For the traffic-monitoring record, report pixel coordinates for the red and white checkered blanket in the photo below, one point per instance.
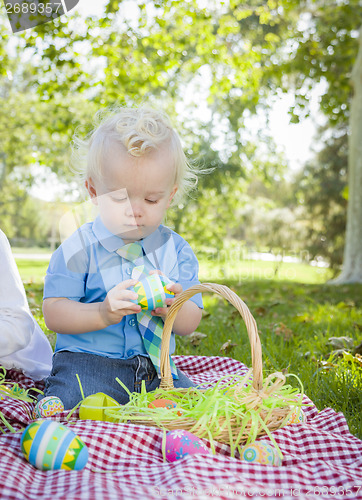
(321, 458)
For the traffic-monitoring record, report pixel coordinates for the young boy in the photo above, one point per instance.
(134, 167)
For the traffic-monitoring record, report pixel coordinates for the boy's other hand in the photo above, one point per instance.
(118, 303)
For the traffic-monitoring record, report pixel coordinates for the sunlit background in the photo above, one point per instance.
(251, 88)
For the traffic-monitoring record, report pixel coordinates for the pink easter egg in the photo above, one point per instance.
(180, 443)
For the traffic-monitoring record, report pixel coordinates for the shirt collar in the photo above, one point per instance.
(108, 240)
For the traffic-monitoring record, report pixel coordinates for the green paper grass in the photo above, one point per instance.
(80, 402)
(13, 390)
(6, 423)
(233, 413)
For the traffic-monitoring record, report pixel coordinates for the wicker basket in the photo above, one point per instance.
(257, 419)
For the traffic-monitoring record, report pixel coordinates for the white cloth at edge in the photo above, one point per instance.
(23, 345)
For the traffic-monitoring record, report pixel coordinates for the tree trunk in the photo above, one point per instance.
(352, 259)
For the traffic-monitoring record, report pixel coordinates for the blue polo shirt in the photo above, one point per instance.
(86, 266)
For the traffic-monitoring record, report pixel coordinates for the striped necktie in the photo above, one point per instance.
(150, 327)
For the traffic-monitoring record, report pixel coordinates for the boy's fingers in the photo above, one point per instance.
(126, 306)
(160, 311)
(126, 284)
(132, 311)
(174, 287)
(156, 271)
(128, 294)
(123, 295)
(121, 291)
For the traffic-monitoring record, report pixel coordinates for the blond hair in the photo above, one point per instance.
(140, 131)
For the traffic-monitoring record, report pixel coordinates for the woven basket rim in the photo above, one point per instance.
(250, 323)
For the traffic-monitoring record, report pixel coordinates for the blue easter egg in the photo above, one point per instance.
(48, 445)
(152, 292)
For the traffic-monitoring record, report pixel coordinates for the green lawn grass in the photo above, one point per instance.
(247, 270)
(30, 250)
(297, 315)
(32, 270)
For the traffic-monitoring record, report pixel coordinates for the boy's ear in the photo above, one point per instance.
(90, 187)
(173, 192)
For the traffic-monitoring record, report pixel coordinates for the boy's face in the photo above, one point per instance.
(133, 193)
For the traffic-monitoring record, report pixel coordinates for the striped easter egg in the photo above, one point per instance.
(152, 292)
(48, 445)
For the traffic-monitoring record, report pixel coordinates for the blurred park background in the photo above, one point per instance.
(230, 73)
(261, 91)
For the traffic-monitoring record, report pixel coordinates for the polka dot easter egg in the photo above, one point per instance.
(47, 407)
(260, 452)
(48, 445)
(180, 443)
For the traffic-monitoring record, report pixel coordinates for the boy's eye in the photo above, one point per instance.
(152, 201)
(118, 200)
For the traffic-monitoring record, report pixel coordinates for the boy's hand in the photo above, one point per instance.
(117, 303)
(176, 288)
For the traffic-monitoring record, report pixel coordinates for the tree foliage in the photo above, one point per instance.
(234, 56)
(323, 49)
(321, 189)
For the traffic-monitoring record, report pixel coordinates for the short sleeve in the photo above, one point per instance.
(187, 270)
(66, 278)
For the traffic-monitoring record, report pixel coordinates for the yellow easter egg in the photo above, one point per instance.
(296, 416)
(93, 406)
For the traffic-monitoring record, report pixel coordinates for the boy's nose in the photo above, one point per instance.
(133, 210)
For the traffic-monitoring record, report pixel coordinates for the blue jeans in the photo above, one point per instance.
(98, 374)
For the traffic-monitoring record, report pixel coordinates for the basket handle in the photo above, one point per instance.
(230, 296)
